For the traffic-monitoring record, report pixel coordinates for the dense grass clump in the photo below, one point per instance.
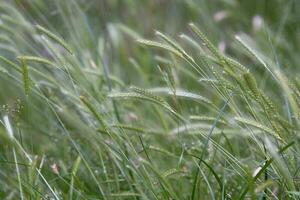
(159, 99)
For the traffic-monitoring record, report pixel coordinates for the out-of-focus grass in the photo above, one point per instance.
(130, 100)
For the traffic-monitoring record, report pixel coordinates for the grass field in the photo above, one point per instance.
(157, 99)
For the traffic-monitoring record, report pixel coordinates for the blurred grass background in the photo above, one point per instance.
(52, 126)
(221, 19)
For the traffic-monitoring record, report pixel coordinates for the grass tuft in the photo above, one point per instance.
(104, 100)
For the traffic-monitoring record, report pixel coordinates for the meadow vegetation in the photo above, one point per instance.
(162, 99)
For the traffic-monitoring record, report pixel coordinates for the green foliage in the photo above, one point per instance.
(90, 109)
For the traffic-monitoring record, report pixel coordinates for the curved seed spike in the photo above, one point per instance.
(170, 172)
(54, 38)
(35, 59)
(175, 45)
(206, 118)
(145, 95)
(251, 84)
(94, 112)
(25, 74)
(221, 58)
(181, 93)
(236, 64)
(206, 41)
(257, 125)
(161, 46)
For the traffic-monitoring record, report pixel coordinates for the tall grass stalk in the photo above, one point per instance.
(105, 100)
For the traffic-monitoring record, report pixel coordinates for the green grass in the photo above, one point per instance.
(132, 99)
